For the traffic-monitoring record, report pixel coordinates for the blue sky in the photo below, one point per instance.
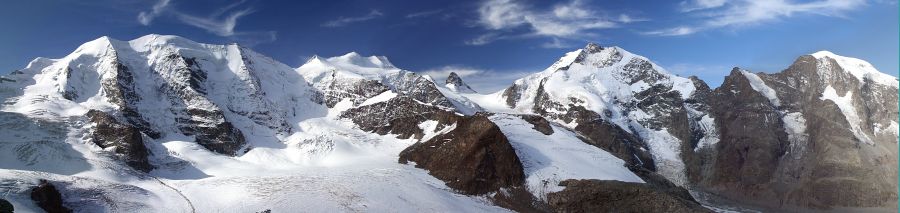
(491, 42)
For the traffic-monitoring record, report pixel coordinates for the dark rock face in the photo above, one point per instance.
(48, 198)
(751, 134)
(357, 90)
(419, 88)
(127, 139)
(202, 119)
(474, 158)
(617, 196)
(121, 92)
(400, 115)
(512, 95)
(826, 166)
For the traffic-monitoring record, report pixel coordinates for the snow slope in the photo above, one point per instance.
(547, 160)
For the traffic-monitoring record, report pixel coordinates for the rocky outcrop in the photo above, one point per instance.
(617, 196)
(474, 158)
(196, 115)
(46, 196)
(400, 115)
(127, 140)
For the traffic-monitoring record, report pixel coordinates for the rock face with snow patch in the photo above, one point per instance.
(474, 157)
(617, 101)
(820, 134)
(127, 140)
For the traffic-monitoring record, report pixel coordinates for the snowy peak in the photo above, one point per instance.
(355, 59)
(456, 84)
(859, 68)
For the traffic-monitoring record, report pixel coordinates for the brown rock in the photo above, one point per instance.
(540, 124)
(617, 196)
(127, 139)
(474, 158)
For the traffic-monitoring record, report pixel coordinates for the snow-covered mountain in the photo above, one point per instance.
(165, 124)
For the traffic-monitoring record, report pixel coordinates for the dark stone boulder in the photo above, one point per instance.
(129, 143)
(474, 158)
(48, 198)
(540, 124)
(617, 196)
(6, 207)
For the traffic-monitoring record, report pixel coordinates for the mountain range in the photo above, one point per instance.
(164, 124)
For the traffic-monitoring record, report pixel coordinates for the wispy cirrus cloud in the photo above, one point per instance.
(423, 14)
(343, 21)
(716, 14)
(146, 17)
(564, 21)
(221, 22)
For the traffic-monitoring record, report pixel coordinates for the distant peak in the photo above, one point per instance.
(455, 83)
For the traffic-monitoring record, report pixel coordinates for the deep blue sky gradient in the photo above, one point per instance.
(44, 28)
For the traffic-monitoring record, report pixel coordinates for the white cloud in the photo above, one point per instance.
(484, 39)
(145, 17)
(342, 21)
(716, 14)
(556, 43)
(220, 26)
(567, 20)
(424, 13)
(483, 81)
(688, 6)
(216, 23)
(677, 31)
(625, 19)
